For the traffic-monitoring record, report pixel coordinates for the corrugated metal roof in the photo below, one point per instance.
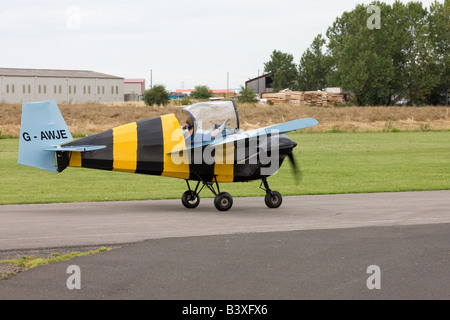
(134, 81)
(259, 77)
(48, 73)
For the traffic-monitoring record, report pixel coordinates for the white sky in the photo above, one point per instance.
(185, 43)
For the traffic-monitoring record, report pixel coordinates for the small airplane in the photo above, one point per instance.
(209, 149)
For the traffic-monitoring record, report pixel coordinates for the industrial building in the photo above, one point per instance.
(134, 86)
(134, 89)
(260, 84)
(63, 86)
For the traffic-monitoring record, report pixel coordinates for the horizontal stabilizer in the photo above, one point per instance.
(76, 148)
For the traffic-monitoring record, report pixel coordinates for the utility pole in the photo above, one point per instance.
(258, 81)
(151, 78)
(228, 79)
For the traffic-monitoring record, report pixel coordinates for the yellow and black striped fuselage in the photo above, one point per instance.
(145, 146)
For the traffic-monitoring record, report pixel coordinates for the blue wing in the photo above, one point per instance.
(275, 129)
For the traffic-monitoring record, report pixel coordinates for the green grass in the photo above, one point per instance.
(330, 162)
(28, 262)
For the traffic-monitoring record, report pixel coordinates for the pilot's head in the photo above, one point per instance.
(189, 124)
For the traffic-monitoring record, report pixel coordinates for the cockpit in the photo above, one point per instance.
(210, 117)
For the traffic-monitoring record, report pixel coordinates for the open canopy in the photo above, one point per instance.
(209, 115)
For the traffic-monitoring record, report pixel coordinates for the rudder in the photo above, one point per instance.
(42, 127)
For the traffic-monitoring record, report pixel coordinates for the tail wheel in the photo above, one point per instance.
(273, 199)
(190, 199)
(223, 201)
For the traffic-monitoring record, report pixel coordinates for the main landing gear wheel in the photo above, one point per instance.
(223, 201)
(190, 199)
(273, 199)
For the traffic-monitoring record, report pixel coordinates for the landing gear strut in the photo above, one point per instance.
(222, 201)
(191, 198)
(273, 199)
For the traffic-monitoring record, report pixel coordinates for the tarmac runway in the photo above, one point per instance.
(75, 224)
(312, 247)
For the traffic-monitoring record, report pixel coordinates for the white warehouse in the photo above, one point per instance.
(63, 86)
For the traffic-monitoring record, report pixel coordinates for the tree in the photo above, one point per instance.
(283, 70)
(157, 95)
(247, 95)
(384, 64)
(404, 54)
(201, 92)
(417, 70)
(439, 27)
(362, 62)
(314, 67)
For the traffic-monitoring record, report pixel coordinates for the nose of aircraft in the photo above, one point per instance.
(285, 142)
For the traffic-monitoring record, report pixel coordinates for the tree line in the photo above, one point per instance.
(382, 54)
(158, 95)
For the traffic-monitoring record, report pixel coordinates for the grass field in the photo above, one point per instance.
(330, 162)
(92, 118)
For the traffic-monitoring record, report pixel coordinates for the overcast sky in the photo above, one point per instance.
(184, 43)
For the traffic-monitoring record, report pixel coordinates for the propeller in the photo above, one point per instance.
(298, 175)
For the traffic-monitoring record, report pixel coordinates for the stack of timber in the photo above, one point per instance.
(305, 98)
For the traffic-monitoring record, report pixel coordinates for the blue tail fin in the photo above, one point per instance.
(43, 127)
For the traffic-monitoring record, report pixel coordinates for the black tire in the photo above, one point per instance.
(190, 199)
(223, 201)
(273, 199)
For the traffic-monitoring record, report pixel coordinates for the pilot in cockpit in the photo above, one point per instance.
(199, 137)
(188, 128)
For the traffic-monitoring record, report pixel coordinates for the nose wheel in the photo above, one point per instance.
(273, 199)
